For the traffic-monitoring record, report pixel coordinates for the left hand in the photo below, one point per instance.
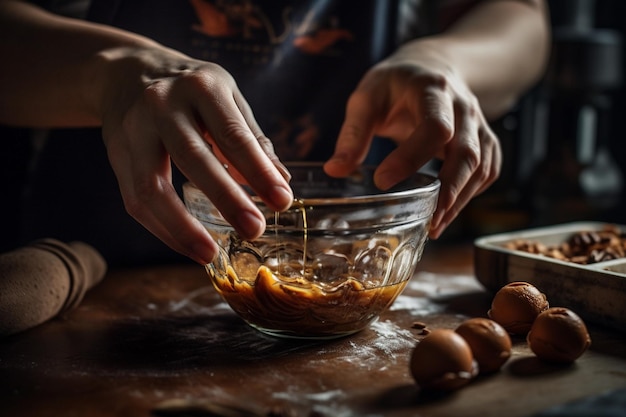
(422, 104)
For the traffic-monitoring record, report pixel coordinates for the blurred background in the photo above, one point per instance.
(564, 146)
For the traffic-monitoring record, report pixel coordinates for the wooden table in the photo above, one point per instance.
(147, 336)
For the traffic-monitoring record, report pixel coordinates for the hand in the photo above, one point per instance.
(159, 106)
(415, 99)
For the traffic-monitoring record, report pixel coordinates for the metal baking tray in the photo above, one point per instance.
(596, 292)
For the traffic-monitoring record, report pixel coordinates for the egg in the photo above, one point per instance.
(558, 335)
(442, 361)
(516, 305)
(489, 342)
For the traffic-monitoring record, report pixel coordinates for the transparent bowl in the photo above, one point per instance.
(329, 265)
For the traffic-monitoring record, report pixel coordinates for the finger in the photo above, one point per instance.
(237, 176)
(266, 144)
(434, 114)
(181, 231)
(354, 138)
(268, 147)
(472, 188)
(496, 158)
(485, 176)
(236, 141)
(142, 197)
(198, 163)
(462, 159)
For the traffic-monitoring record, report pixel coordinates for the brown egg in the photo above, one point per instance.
(558, 335)
(442, 361)
(490, 343)
(516, 305)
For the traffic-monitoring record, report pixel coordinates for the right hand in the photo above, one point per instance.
(426, 107)
(159, 106)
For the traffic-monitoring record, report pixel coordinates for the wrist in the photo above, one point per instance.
(432, 54)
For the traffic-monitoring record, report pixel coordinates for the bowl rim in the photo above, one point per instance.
(397, 192)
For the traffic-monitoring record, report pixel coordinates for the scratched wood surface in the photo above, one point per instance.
(145, 337)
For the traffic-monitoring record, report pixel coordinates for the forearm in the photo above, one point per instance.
(53, 76)
(499, 48)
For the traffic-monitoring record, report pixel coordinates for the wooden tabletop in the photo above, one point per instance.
(154, 340)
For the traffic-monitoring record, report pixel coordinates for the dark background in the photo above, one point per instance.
(564, 146)
(552, 173)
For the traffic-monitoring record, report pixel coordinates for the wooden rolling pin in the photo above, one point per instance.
(43, 279)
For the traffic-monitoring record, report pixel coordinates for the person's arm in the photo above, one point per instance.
(155, 106)
(499, 48)
(49, 76)
(434, 95)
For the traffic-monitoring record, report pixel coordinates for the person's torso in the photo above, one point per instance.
(296, 63)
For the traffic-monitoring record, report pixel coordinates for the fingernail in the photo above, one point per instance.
(249, 224)
(281, 197)
(437, 217)
(437, 231)
(386, 180)
(203, 254)
(340, 158)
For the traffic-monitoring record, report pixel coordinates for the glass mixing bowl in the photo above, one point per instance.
(329, 265)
